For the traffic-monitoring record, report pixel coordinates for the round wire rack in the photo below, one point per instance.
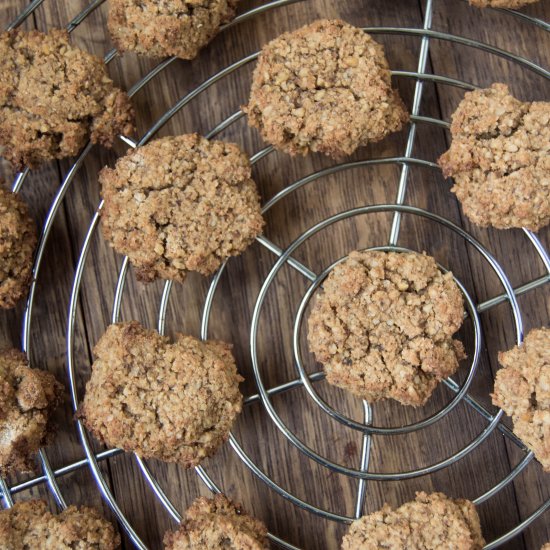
(368, 429)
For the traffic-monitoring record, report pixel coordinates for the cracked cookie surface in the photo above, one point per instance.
(29, 524)
(18, 239)
(54, 97)
(382, 326)
(500, 159)
(512, 4)
(522, 390)
(170, 27)
(180, 204)
(217, 523)
(171, 401)
(430, 522)
(325, 87)
(27, 400)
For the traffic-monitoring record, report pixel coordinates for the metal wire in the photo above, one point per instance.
(284, 257)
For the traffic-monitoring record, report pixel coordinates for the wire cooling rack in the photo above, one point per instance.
(286, 257)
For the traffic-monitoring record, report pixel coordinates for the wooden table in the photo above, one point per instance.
(239, 286)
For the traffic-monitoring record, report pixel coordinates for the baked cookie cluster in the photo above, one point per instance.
(383, 324)
(324, 88)
(54, 98)
(17, 245)
(500, 159)
(27, 399)
(171, 27)
(171, 401)
(30, 525)
(522, 390)
(429, 522)
(180, 204)
(217, 523)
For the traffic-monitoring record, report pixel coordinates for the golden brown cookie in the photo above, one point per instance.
(430, 522)
(325, 87)
(522, 390)
(383, 324)
(29, 525)
(513, 4)
(171, 27)
(500, 159)
(17, 244)
(171, 401)
(546, 546)
(27, 400)
(211, 523)
(180, 204)
(54, 97)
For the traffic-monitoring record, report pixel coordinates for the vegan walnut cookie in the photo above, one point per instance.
(513, 4)
(325, 87)
(171, 401)
(522, 390)
(180, 204)
(17, 244)
(27, 400)
(29, 524)
(500, 159)
(382, 326)
(171, 27)
(430, 522)
(54, 97)
(217, 523)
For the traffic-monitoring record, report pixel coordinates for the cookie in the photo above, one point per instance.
(171, 27)
(29, 524)
(546, 546)
(171, 401)
(325, 87)
(513, 4)
(17, 245)
(430, 522)
(522, 390)
(500, 159)
(54, 97)
(382, 326)
(217, 523)
(180, 204)
(27, 400)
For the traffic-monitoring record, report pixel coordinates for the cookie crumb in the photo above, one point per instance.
(55, 97)
(326, 88)
(175, 402)
(217, 523)
(430, 522)
(27, 399)
(522, 390)
(500, 159)
(382, 326)
(29, 524)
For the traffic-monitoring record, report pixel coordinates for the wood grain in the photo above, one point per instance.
(239, 286)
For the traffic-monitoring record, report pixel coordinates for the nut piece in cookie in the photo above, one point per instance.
(180, 204)
(27, 399)
(171, 401)
(430, 522)
(500, 159)
(29, 524)
(382, 326)
(325, 87)
(217, 523)
(17, 244)
(171, 27)
(54, 97)
(522, 390)
(512, 4)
